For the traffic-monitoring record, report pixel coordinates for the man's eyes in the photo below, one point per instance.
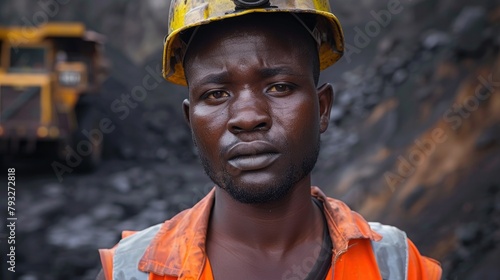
(276, 89)
(280, 88)
(216, 94)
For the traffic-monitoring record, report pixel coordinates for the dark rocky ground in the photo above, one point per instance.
(418, 74)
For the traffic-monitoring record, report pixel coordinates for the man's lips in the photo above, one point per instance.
(252, 155)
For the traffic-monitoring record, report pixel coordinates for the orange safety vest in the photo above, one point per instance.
(176, 248)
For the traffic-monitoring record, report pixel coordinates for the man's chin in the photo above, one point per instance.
(257, 193)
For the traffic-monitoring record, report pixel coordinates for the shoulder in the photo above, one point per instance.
(138, 239)
(391, 252)
(398, 258)
(125, 256)
(139, 250)
(175, 227)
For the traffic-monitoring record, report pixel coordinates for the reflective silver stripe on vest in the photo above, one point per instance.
(391, 252)
(129, 252)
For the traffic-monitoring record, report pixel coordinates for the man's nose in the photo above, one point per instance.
(249, 113)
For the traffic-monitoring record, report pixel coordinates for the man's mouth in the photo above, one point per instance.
(252, 155)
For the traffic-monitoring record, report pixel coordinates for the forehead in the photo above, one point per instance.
(246, 42)
(243, 40)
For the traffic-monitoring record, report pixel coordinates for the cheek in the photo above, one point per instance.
(300, 118)
(298, 128)
(207, 127)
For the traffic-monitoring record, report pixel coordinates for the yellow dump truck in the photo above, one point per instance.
(50, 77)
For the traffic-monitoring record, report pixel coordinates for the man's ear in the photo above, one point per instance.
(326, 97)
(185, 109)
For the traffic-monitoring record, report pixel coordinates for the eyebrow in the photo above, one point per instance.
(223, 77)
(215, 78)
(275, 71)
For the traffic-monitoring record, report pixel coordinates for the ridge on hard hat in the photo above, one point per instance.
(187, 14)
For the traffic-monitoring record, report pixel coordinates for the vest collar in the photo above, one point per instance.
(178, 249)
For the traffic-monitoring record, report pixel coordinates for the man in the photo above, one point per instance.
(256, 115)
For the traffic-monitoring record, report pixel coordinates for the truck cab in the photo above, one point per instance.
(50, 78)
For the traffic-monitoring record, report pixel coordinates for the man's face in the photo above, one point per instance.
(254, 111)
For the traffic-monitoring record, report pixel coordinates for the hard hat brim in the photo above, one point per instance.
(173, 70)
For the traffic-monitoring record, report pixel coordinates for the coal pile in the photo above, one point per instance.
(63, 224)
(478, 237)
(400, 58)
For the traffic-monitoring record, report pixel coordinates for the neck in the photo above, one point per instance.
(273, 226)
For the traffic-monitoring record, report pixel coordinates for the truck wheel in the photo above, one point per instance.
(88, 140)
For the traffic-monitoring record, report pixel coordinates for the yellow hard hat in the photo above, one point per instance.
(186, 14)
